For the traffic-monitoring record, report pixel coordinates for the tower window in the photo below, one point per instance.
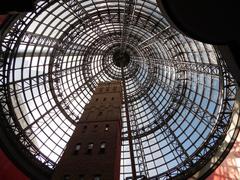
(66, 177)
(97, 177)
(106, 127)
(100, 113)
(77, 148)
(84, 129)
(104, 99)
(95, 128)
(96, 99)
(102, 147)
(90, 148)
(81, 177)
(112, 98)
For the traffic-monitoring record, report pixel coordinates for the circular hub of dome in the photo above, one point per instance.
(121, 58)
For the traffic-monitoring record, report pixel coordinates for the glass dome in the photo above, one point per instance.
(179, 93)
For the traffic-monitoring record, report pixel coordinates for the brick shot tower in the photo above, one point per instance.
(93, 152)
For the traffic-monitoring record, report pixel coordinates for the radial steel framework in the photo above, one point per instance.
(178, 93)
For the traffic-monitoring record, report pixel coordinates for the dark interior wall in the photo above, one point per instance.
(8, 170)
(13, 6)
(2, 18)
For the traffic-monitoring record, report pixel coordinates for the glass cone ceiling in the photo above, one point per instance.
(180, 95)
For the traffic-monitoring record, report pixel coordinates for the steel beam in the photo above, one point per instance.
(133, 166)
(154, 38)
(178, 65)
(128, 15)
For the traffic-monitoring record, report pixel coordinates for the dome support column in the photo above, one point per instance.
(128, 126)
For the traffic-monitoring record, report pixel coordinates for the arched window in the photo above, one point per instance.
(90, 148)
(84, 129)
(66, 177)
(97, 177)
(102, 147)
(77, 148)
(81, 177)
(106, 127)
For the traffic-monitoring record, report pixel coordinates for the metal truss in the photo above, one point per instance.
(177, 94)
(178, 65)
(153, 39)
(142, 165)
(127, 19)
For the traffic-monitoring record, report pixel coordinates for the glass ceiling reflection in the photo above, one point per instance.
(175, 85)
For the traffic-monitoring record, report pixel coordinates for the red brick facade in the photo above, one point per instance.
(8, 171)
